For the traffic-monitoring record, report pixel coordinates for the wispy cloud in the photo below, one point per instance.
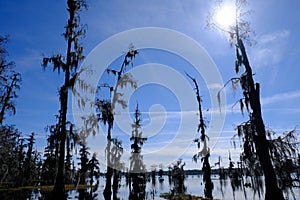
(275, 98)
(270, 48)
(30, 60)
(215, 86)
(281, 97)
(273, 37)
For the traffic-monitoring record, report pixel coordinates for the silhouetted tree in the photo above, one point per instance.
(153, 174)
(178, 177)
(18, 166)
(83, 171)
(238, 33)
(284, 152)
(9, 94)
(88, 169)
(106, 117)
(116, 154)
(10, 148)
(20, 152)
(169, 174)
(205, 152)
(74, 31)
(137, 167)
(105, 110)
(94, 170)
(30, 164)
(83, 163)
(71, 141)
(9, 83)
(160, 173)
(51, 152)
(14, 162)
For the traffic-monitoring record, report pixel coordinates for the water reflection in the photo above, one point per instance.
(222, 190)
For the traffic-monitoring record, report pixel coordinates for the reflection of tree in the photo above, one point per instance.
(137, 168)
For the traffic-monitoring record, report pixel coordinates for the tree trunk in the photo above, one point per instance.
(59, 187)
(116, 183)
(262, 147)
(109, 170)
(7, 98)
(207, 178)
(107, 190)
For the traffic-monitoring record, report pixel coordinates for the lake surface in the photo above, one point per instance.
(222, 189)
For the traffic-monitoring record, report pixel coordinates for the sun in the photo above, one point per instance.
(225, 16)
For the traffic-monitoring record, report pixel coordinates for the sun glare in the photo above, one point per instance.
(225, 16)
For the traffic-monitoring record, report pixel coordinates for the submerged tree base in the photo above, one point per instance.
(182, 197)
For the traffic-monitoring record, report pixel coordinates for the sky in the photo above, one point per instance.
(35, 30)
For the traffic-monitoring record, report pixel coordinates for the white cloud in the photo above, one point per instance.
(273, 37)
(30, 60)
(281, 97)
(164, 151)
(269, 49)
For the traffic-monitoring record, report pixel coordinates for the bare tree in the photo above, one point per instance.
(9, 83)
(204, 153)
(9, 93)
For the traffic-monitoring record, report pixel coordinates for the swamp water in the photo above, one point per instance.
(223, 189)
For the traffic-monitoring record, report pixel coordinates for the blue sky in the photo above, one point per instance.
(35, 29)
